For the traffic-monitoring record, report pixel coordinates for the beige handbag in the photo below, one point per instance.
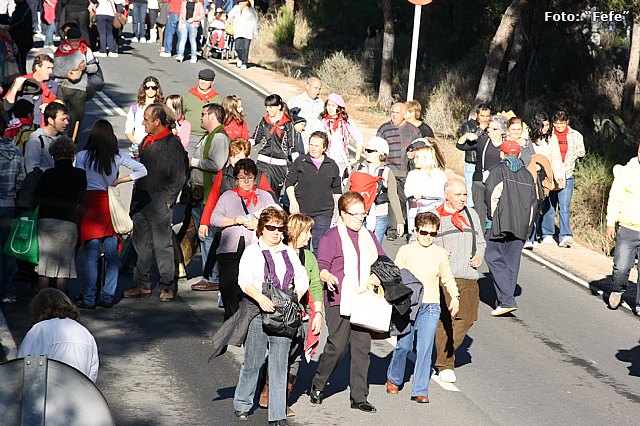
(370, 310)
(120, 219)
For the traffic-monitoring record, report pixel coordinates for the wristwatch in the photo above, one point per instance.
(458, 297)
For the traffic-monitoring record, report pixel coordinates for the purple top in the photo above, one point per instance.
(317, 163)
(330, 257)
(229, 205)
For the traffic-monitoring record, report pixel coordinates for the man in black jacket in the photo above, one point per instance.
(21, 30)
(152, 204)
(510, 196)
(471, 131)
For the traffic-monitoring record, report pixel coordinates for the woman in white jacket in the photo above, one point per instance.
(245, 27)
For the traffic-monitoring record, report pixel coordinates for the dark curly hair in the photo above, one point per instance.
(52, 303)
(271, 214)
(536, 126)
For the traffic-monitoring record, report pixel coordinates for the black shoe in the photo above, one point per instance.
(242, 415)
(316, 395)
(81, 305)
(364, 406)
(106, 305)
(282, 422)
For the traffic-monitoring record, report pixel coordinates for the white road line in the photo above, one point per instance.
(103, 107)
(412, 357)
(237, 77)
(119, 111)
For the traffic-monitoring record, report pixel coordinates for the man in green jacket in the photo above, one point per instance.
(193, 101)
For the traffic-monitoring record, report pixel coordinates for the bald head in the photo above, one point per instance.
(314, 86)
(398, 111)
(455, 194)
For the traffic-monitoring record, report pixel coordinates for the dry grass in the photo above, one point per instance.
(342, 74)
(303, 31)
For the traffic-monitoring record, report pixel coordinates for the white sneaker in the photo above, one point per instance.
(239, 64)
(194, 59)
(548, 240)
(528, 245)
(566, 242)
(179, 58)
(99, 55)
(143, 40)
(447, 376)
(113, 54)
(243, 67)
(134, 40)
(615, 299)
(165, 54)
(501, 311)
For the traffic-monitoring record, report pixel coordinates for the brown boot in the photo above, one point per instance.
(264, 394)
(290, 383)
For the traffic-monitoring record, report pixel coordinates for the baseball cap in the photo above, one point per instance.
(379, 144)
(510, 147)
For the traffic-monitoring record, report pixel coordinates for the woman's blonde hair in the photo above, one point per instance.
(296, 225)
(432, 161)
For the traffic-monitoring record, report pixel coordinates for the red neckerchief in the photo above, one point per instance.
(15, 125)
(151, 139)
(65, 48)
(47, 96)
(333, 122)
(211, 93)
(249, 197)
(457, 219)
(275, 127)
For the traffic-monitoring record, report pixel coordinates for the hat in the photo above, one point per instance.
(510, 147)
(5, 19)
(379, 144)
(31, 86)
(336, 99)
(295, 117)
(207, 74)
(73, 33)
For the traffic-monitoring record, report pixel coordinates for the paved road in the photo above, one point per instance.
(562, 359)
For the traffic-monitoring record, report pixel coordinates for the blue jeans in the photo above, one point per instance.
(49, 31)
(562, 200)
(91, 257)
(425, 330)
(7, 263)
(255, 349)
(627, 249)
(469, 169)
(381, 227)
(190, 31)
(139, 20)
(321, 225)
(208, 255)
(170, 30)
(105, 32)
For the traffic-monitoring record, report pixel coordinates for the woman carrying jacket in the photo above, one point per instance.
(191, 13)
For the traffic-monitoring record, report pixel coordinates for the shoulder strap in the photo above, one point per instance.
(41, 149)
(244, 206)
(301, 255)
(473, 232)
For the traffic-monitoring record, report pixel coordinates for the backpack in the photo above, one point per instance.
(21, 138)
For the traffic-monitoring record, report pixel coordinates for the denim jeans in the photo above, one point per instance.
(190, 31)
(381, 227)
(321, 225)
(49, 31)
(208, 255)
(255, 349)
(469, 169)
(627, 249)
(139, 20)
(91, 258)
(170, 30)
(105, 31)
(7, 263)
(242, 47)
(424, 328)
(562, 200)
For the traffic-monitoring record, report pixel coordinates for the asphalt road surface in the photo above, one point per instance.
(562, 359)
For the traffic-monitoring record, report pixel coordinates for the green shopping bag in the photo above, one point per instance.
(23, 239)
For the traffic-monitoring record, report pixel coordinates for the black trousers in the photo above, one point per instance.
(229, 288)
(341, 334)
(242, 47)
(75, 101)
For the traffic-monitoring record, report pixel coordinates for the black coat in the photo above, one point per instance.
(396, 293)
(401, 324)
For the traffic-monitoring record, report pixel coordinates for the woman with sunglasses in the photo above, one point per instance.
(345, 256)
(375, 164)
(236, 214)
(341, 130)
(149, 92)
(430, 274)
(268, 258)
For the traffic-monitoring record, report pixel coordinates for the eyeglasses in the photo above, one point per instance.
(425, 233)
(274, 228)
(370, 151)
(246, 178)
(356, 214)
(150, 87)
(494, 128)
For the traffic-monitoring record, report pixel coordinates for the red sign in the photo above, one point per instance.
(420, 2)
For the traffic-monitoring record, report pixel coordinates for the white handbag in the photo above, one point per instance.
(120, 219)
(370, 310)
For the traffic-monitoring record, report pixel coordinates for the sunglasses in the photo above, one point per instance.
(150, 87)
(274, 228)
(370, 151)
(425, 233)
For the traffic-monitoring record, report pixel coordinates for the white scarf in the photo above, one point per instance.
(355, 281)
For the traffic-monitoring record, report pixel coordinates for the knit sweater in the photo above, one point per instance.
(192, 106)
(460, 244)
(431, 273)
(399, 138)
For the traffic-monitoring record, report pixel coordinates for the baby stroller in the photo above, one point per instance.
(216, 47)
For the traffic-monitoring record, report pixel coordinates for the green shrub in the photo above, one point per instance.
(285, 29)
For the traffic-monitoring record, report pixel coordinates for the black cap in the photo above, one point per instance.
(295, 117)
(73, 33)
(207, 74)
(31, 86)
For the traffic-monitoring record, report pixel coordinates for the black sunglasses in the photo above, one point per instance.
(273, 228)
(370, 151)
(151, 87)
(425, 233)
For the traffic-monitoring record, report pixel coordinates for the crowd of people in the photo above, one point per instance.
(307, 218)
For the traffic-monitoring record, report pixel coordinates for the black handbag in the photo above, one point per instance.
(285, 321)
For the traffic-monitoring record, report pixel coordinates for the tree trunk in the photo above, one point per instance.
(497, 50)
(385, 97)
(629, 90)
